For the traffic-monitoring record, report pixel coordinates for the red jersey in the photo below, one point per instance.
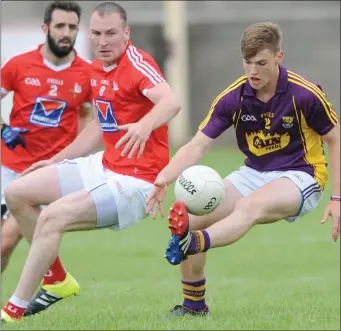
(46, 100)
(119, 97)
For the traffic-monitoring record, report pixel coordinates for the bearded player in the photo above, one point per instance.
(133, 104)
(51, 104)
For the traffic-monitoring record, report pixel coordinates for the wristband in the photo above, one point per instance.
(335, 198)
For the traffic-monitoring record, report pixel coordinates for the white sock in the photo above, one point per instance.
(18, 302)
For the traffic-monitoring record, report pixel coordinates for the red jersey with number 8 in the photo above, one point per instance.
(119, 94)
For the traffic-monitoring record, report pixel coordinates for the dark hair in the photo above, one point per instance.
(111, 7)
(69, 6)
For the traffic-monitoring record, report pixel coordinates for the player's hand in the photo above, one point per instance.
(135, 139)
(155, 201)
(333, 210)
(37, 165)
(12, 137)
(157, 195)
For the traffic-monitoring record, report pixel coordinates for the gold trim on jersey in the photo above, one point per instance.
(313, 148)
(241, 80)
(239, 113)
(298, 80)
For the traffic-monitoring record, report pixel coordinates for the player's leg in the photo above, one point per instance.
(10, 234)
(24, 197)
(276, 200)
(114, 203)
(192, 270)
(60, 216)
(10, 237)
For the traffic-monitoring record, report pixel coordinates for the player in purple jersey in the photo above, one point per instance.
(281, 121)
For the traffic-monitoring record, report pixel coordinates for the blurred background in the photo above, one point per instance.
(196, 44)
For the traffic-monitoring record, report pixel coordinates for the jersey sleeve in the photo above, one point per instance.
(319, 112)
(8, 76)
(88, 102)
(219, 117)
(146, 73)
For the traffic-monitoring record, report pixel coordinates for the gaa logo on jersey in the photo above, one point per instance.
(47, 112)
(106, 115)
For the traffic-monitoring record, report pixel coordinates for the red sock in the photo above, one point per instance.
(56, 273)
(14, 311)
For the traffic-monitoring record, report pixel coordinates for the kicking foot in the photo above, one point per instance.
(181, 235)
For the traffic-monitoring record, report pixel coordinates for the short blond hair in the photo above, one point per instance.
(260, 36)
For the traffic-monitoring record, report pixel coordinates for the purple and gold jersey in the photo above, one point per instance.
(282, 134)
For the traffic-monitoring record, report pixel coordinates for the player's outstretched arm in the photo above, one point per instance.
(85, 116)
(187, 156)
(332, 138)
(166, 106)
(88, 140)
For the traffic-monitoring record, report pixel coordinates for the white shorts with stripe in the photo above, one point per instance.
(7, 176)
(248, 180)
(120, 200)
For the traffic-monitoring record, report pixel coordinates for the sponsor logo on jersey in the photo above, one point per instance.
(106, 115)
(261, 143)
(47, 112)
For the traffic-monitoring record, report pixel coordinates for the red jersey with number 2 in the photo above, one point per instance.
(46, 100)
(119, 97)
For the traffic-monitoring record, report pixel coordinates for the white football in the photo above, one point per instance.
(200, 188)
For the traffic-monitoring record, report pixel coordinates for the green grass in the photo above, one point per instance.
(279, 277)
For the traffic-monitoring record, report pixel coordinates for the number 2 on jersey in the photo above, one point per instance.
(53, 90)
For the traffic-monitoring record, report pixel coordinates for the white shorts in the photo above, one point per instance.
(107, 188)
(7, 176)
(248, 180)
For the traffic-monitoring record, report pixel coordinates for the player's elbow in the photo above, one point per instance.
(174, 103)
(333, 136)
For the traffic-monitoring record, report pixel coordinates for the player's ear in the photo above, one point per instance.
(127, 34)
(279, 57)
(45, 29)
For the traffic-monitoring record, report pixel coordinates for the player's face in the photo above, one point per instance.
(262, 68)
(109, 36)
(61, 33)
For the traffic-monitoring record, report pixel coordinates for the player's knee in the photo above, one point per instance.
(47, 223)
(12, 196)
(251, 208)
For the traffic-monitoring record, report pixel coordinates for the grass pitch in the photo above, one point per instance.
(278, 277)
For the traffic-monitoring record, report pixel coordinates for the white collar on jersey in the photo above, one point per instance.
(57, 67)
(107, 69)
